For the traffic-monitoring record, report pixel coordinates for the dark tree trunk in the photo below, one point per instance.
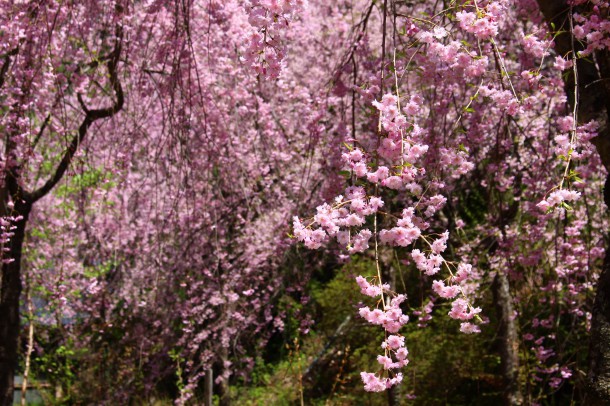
(599, 347)
(10, 290)
(599, 350)
(509, 345)
(593, 86)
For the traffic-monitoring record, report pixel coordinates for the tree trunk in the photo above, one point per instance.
(30, 345)
(208, 387)
(223, 386)
(10, 290)
(599, 350)
(599, 346)
(509, 345)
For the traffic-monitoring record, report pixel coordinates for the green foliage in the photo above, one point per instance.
(447, 368)
(59, 366)
(94, 178)
(97, 271)
(273, 384)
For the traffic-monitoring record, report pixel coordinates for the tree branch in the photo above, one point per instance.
(6, 64)
(91, 116)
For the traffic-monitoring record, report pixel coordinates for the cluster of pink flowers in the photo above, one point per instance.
(562, 64)
(462, 310)
(397, 166)
(535, 46)
(391, 319)
(408, 230)
(574, 141)
(594, 28)
(504, 99)
(264, 48)
(483, 23)
(350, 211)
(338, 220)
(452, 54)
(557, 197)
(430, 264)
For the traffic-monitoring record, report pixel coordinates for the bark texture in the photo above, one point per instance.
(599, 350)
(509, 344)
(10, 290)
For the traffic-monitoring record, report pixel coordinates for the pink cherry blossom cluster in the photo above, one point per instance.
(504, 99)
(462, 310)
(573, 143)
(407, 230)
(557, 198)
(350, 211)
(482, 22)
(395, 164)
(535, 46)
(343, 214)
(391, 319)
(431, 264)
(265, 49)
(451, 55)
(594, 28)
